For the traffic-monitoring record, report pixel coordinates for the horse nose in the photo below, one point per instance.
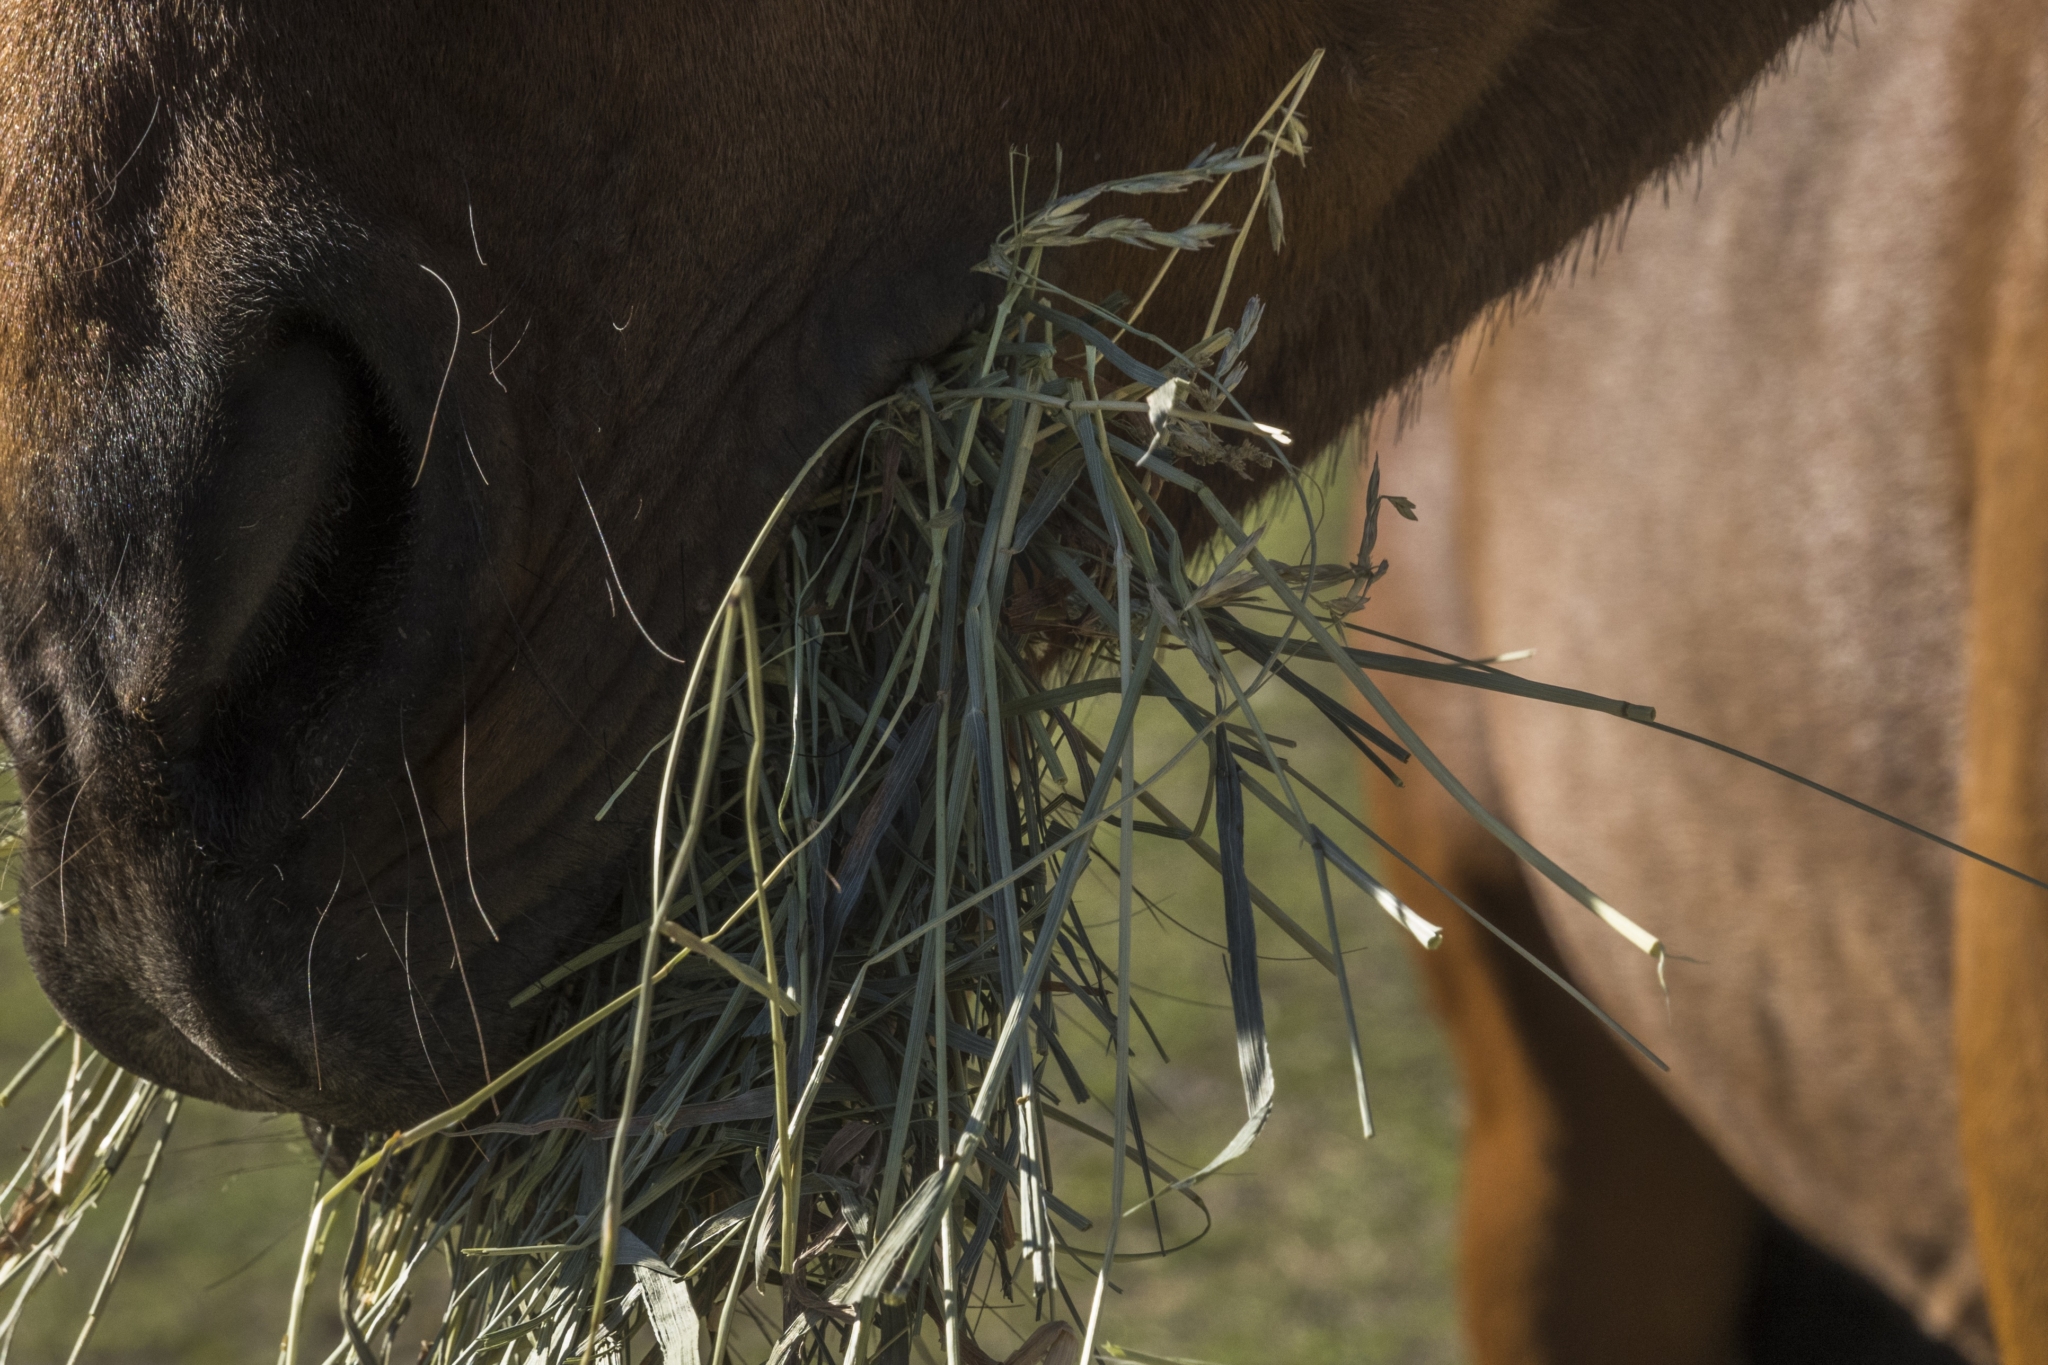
(265, 481)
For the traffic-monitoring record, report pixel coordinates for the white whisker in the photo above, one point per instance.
(613, 565)
(312, 1020)
(442, 392)
(468, 865)
(461, 968)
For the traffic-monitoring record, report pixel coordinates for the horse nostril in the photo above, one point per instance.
(267, 474)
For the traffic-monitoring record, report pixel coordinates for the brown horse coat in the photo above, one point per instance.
(1780, 469)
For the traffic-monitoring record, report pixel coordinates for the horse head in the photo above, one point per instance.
(387, 393)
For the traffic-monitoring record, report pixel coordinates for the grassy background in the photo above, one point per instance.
(1325, 1247)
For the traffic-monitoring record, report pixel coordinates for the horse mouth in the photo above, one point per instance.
(209, 780)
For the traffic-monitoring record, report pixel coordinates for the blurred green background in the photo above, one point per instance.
(1325, 1247)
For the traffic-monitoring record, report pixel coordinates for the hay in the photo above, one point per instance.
(822, 1054)
(876, 807)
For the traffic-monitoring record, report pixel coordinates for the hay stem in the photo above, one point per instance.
(636, 1063)
(33, 1064)
(1294, 89)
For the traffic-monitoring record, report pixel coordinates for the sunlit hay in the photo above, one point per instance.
(878, 776)
(100, 1116)
(821, 1056)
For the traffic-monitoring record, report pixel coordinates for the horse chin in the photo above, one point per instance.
(267, 962)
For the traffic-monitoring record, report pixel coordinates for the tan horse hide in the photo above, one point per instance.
(1779, 467)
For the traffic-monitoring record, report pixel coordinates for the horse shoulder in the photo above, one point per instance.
(1740, 474)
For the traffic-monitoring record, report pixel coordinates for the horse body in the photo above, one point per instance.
(1736, 474)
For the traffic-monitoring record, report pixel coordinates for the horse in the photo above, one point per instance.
(1776, 468)
(386, 394)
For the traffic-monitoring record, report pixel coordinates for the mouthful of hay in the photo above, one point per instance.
(822, 1055)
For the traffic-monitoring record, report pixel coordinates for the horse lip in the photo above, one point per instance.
(207, 690)
(204, 982)
(146, 1011)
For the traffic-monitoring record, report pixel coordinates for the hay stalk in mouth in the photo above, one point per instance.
(877, 808)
